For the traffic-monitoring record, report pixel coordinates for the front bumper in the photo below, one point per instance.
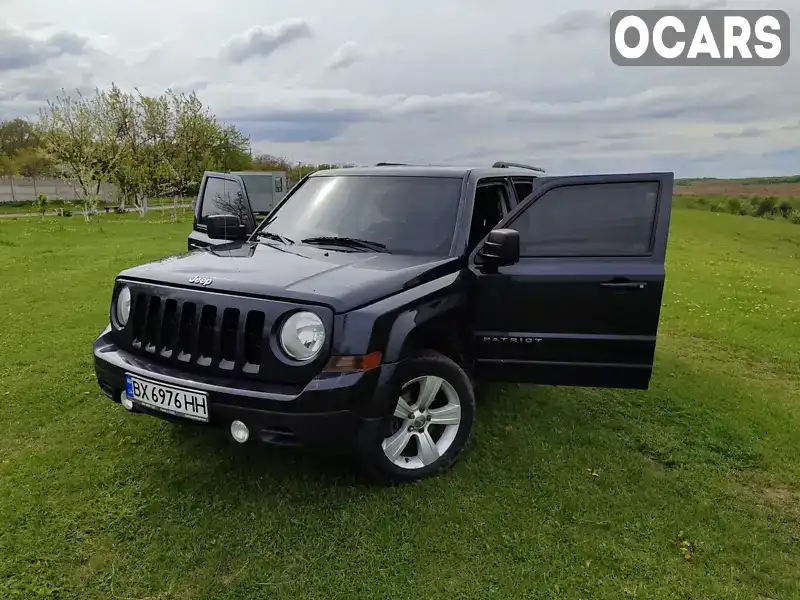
(342, 413)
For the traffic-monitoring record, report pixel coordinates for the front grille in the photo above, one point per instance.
(213, 333)
(222, 338)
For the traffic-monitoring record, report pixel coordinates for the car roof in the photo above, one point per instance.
(429, 171)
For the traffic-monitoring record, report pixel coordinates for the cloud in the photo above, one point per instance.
(593, 21)
(621, 135)
(711, 4)
(747, 132)
(263, 41)
(296, 114)
(18, 50)
(348, 86)
(23, 93)
(346, 55)
(578, 21)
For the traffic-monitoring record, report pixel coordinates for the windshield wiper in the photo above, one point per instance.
(274, 236)
(347, 242)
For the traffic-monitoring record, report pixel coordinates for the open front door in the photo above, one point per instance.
(220, 194)
(582, 304)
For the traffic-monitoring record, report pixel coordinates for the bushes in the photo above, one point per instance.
(765, 207)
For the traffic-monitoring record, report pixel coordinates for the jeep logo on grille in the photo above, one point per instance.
(201, 280)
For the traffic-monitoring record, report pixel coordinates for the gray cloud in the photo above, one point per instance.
(594, 21)
(346, 55)
(578, 21)
(422, 102)
(711, 4)
(263, 41)
(293, 131)
(26, 92)
(20, 51)
(747, 132)
(621, 135)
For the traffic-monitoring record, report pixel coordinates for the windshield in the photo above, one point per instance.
(259, 190)
(407, 215)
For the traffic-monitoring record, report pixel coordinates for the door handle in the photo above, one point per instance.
(624, 285)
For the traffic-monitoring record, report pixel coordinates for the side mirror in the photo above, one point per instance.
(225, 227)
(501, 247)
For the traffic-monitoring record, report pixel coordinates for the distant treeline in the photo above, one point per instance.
(741, 181)
(765, 207)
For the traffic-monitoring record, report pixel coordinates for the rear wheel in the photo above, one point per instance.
(433, 421)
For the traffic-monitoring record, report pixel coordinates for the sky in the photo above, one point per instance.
(463, 82)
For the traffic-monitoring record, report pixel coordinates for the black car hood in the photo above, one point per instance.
(342, 280)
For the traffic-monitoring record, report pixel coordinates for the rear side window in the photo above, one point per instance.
(523, 188)
(224, 197)
(604, 219)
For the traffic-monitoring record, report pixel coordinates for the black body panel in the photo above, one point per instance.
(573, 320)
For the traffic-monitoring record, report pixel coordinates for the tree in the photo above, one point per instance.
(33, 163)
(145, 145)
(8, 167)
(16, 136)
(87, 136)
(268, 162)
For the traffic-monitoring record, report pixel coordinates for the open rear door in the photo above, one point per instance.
(220, 194)
(582, 305)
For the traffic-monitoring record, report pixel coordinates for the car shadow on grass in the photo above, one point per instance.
(201, 457)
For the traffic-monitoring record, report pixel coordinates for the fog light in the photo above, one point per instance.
(125, 401)
(240, 432)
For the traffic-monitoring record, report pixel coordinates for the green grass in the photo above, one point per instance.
(566, 493)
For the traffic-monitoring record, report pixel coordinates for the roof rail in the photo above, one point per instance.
(502, 164)
(390, 164)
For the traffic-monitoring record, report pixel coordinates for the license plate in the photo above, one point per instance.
(167, 398)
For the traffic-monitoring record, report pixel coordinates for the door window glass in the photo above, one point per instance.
(224, 197)
(603, 219)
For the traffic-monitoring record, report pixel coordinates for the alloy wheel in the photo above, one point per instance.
(426, 421)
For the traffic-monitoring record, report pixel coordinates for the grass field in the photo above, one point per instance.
(780, 187)
(690, 490)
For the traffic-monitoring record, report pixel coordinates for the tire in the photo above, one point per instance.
(423, 441)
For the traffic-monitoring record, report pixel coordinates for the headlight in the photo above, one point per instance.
(123, 306)
(302, 335)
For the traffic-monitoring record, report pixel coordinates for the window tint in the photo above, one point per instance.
(409, 215)
(523, 188)
(259, 190)
(224, 197)
(491, 204)
(606, 219)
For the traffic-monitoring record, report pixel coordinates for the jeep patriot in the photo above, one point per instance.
(356, 315)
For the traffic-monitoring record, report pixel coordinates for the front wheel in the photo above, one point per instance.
(433, 421)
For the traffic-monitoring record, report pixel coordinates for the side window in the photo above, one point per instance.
(603, 219)
(278, 184)
(522, 187)
(491, 205)
(224, 197)
(235, 200)
(213, 197)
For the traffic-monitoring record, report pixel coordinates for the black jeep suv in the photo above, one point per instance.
(358, 313)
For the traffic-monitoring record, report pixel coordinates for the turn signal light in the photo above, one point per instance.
(351, 364)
